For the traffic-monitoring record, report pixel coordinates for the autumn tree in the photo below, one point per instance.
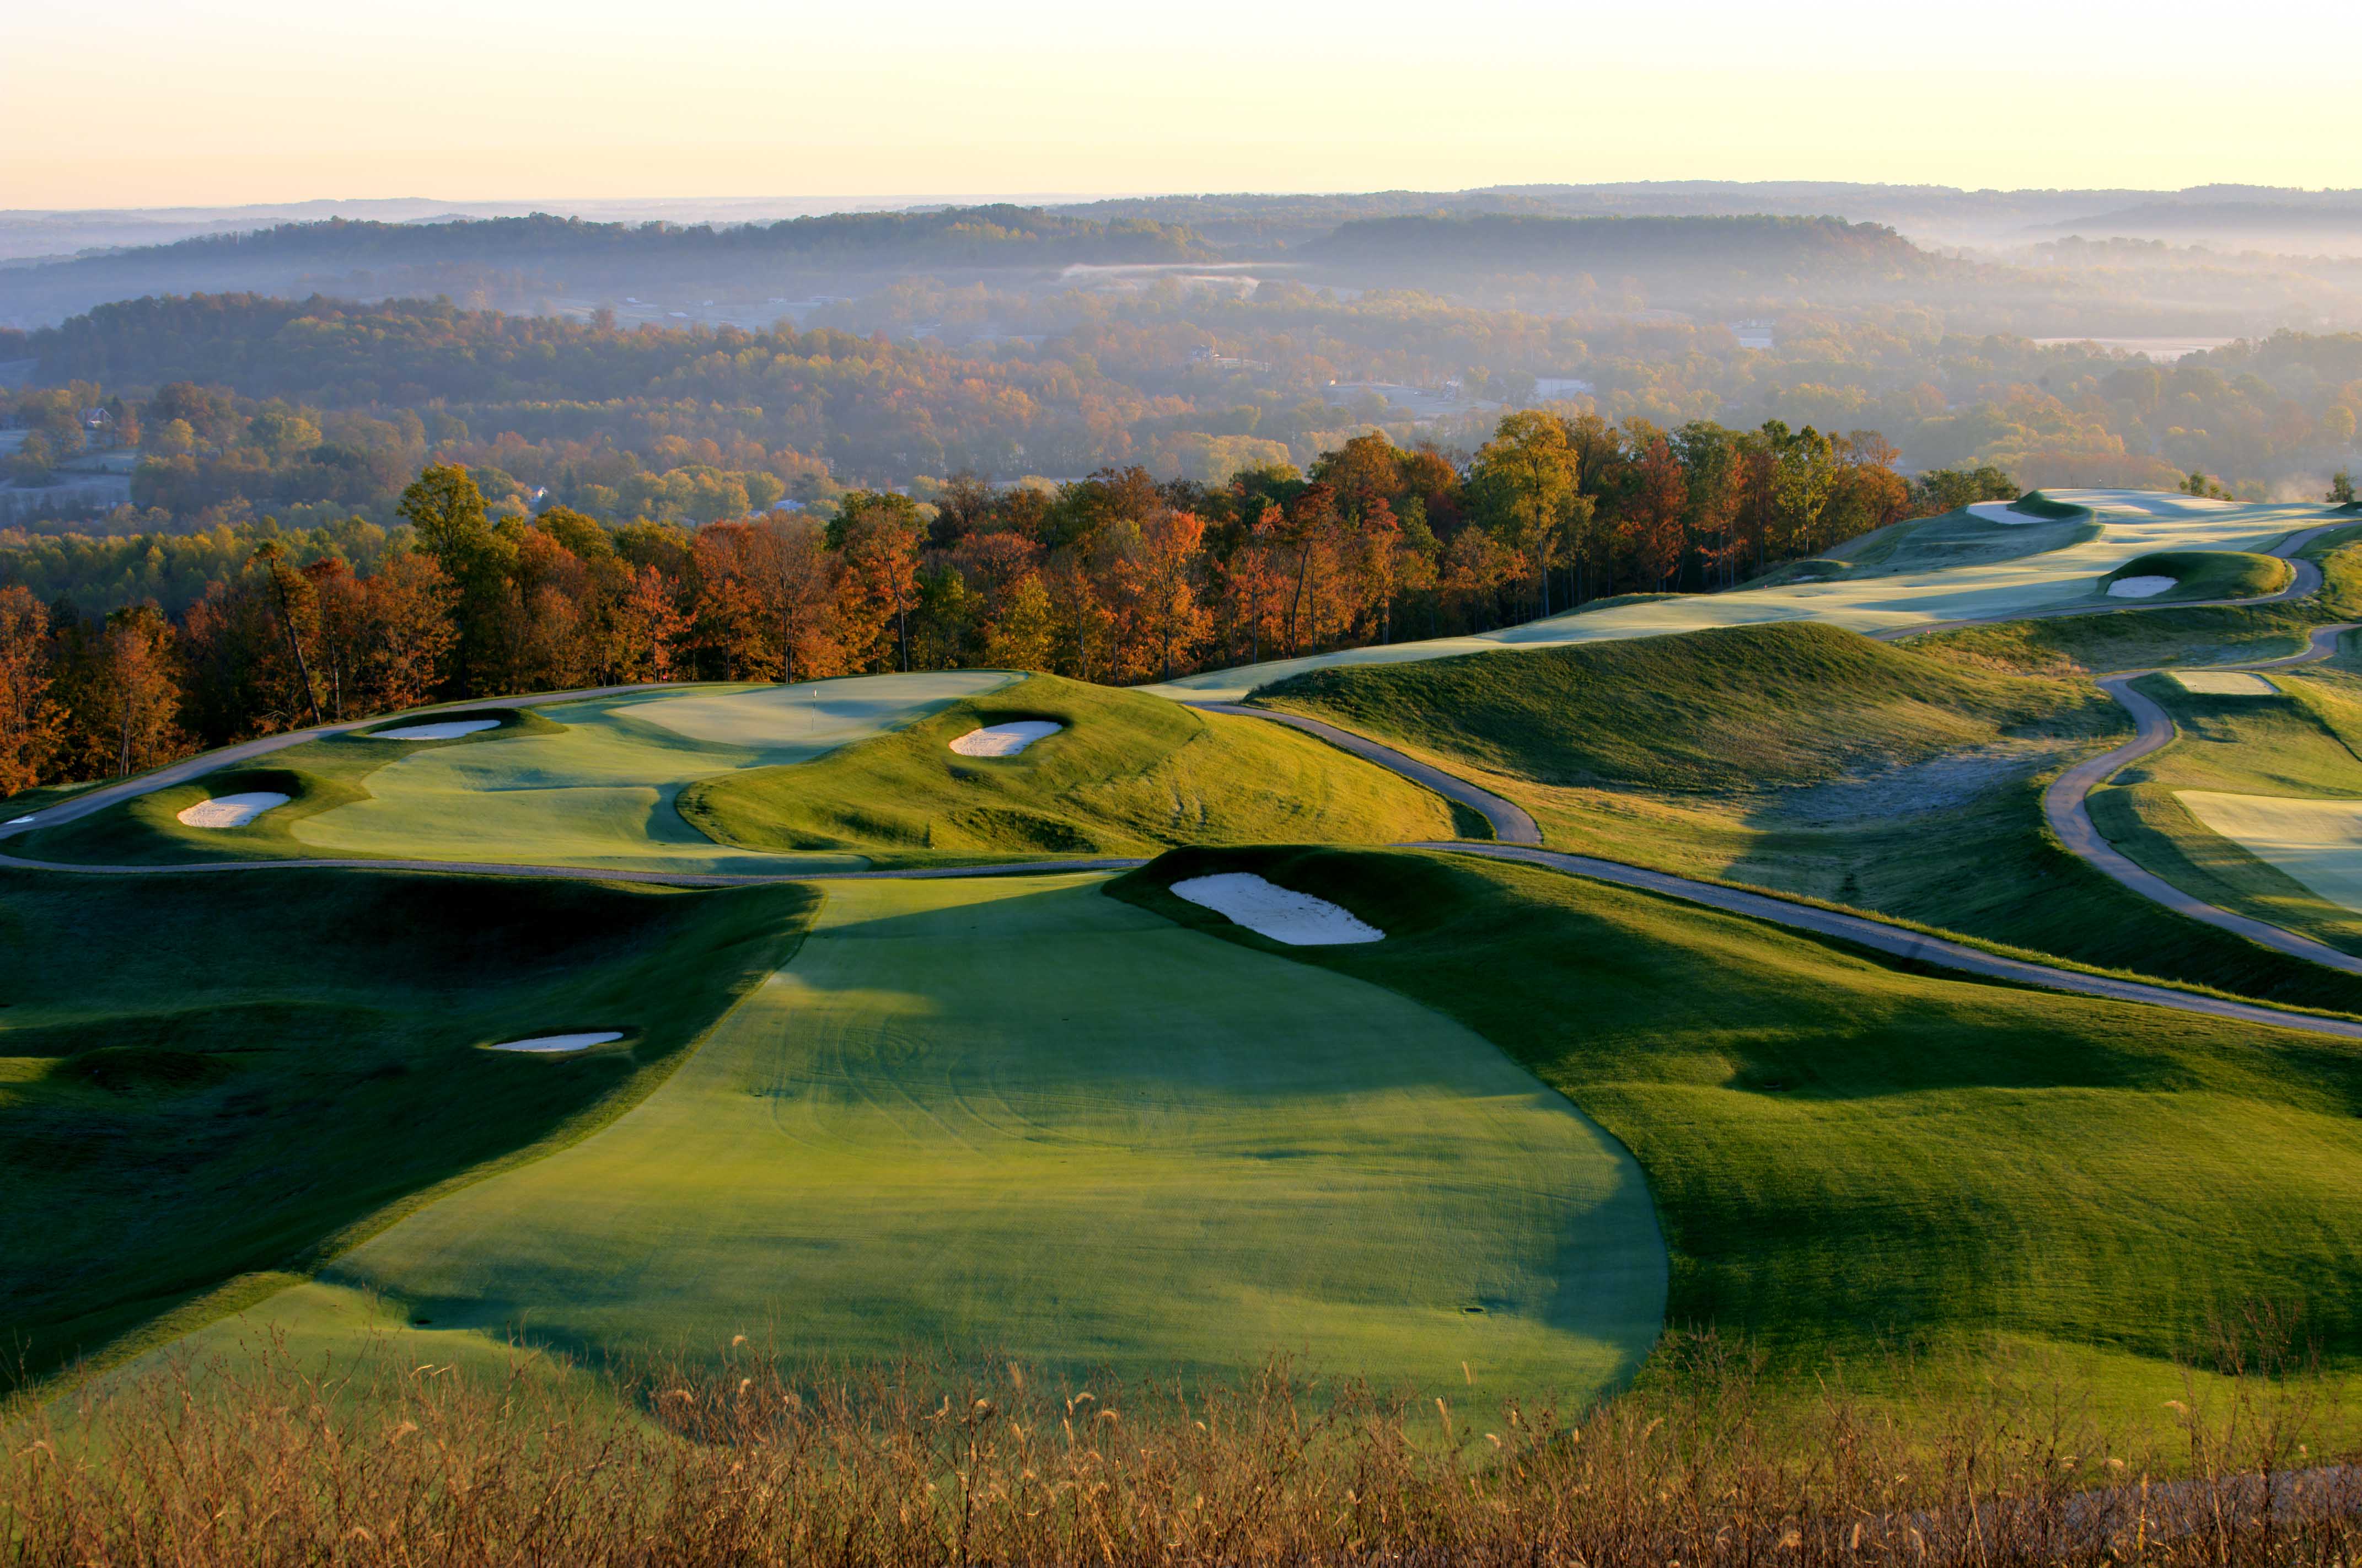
(876, 537)
(31, 723)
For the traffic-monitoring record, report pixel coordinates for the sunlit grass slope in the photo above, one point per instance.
(1848, 1158)
(203, 1077)
(1012, 1116)
(2282, 771)
(1730, 709)
(583, 784)
(1813, 761)
(1126, 774)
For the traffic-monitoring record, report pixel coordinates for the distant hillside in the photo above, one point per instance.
(1714, 254)
(554, 255)
(2331, 221)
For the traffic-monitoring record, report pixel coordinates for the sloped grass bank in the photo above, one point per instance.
(1125, 774)
(1740, 707)
(1849, 1159)
(2207, 574)
(1817, 762)
(204, 1078)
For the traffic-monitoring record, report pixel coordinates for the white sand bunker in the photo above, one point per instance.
(1999, 512)
(2221, 683)
(2139, 586)
(1269, 910)
(1004, 740)
(552, 1044)
(232, 811)
(449, 730)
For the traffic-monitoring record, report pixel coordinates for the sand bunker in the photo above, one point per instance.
(1999, 512)
(1265, 907)
(450, 730)
(552, 1044)
(232, 811)
(18, 822)
(1004, 740)
(2221, 683)
(2139, 586)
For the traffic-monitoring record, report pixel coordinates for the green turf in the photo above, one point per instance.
(1010, 1116)
(1741, 707)
(1849, 1159)
(1127, 774)
(588, 783)
(202, 1077)
(2207, 574)
(1815, 762)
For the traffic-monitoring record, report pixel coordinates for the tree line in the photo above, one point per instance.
(1115, 579)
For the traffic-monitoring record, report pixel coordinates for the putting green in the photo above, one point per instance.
(1013, 1116)
(601, 792)
(2319, 843)
(1953, 583)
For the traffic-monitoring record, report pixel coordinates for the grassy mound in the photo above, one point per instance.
(205, 1078)
(2033, 504)
(2207, 574)
(1127, 774)
(1730, 709)
(1848, 1158)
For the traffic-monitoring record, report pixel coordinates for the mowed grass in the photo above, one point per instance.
(1011, 1116)
(1849, 1159)
(589, 784)
(2256, 805)
(1125, 775)
(1815, 762)
(208, 1078)
(2145, 638)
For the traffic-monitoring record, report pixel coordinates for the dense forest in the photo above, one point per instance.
(317, 410)
(119, 653)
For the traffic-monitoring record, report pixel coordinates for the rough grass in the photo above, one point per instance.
(211, 1076)
(1909, 794)
(771, 1460)
(1732, 709)
(1845, 1156)
(1128, 774)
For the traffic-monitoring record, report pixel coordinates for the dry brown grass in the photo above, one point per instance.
(757, 1462)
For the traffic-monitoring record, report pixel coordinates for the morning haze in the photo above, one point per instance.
(1066, 783)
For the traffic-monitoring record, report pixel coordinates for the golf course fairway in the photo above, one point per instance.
(1011, 1115)
(1981, 568)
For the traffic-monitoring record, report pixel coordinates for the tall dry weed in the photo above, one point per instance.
(752, 1459)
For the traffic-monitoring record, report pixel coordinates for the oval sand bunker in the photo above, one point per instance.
(553, 1044)
(232, 811)
(1004, 740)
(1269, 910)
(2139, 586)
(451, 730)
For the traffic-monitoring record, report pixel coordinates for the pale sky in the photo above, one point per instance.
(157, 102)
